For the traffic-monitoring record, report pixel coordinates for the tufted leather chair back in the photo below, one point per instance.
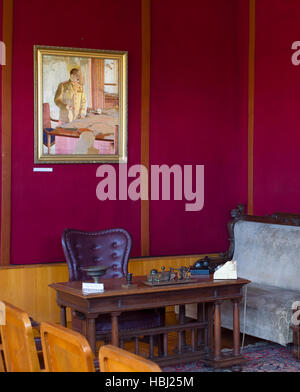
(86, 248)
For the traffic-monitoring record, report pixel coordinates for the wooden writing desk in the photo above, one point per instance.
(116, 300)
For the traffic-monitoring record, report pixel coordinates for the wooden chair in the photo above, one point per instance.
(65, 350)
(115, 359)
(18, 342)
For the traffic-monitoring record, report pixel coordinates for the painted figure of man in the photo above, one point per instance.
(70, 98)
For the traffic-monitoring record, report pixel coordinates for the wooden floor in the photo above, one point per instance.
(171, 319)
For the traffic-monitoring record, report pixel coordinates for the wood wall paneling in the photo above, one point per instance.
(145, 119)
(27, 288)
(251, 91)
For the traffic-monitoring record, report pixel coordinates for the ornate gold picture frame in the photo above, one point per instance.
(80, 105)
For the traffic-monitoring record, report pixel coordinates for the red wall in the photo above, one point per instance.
(1, 9)
(43, 204)
(198, 116)
(198, 102)
(277, 103)
(198, 92)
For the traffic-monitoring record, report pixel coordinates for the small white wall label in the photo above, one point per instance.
(43, 169)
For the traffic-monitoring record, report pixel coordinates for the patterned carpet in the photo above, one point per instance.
(261, 357)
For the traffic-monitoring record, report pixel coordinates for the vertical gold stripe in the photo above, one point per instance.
(251, 87)
(145, 118)
(7, 23)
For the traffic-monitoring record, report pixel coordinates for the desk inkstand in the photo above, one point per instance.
(129, 285)
(168, 277)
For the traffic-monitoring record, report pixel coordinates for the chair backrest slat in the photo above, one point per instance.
(115, 359)
(65, 350)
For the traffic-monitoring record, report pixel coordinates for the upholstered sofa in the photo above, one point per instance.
(267, 251)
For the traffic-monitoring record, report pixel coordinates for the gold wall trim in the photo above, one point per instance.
(145, 119)
(251, 93)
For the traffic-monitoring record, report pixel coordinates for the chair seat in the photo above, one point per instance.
(268, 313)
(131, 320)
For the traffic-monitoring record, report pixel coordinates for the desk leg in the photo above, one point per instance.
(182, 335)
(209, 332)
(219, 359)
(91, 332)
(115, 329)
(217, 330)
(236, 328)
(63, 316)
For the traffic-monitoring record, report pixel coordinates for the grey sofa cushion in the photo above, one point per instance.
(268, 312)
(269, 256)
(268, 253)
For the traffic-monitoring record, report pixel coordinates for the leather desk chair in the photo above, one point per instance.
(110, 248)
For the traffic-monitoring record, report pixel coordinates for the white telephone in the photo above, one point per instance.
(226, 271)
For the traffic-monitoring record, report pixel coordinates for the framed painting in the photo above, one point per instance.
(80, 105)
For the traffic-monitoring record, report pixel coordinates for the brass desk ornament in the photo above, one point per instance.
(129, 285)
